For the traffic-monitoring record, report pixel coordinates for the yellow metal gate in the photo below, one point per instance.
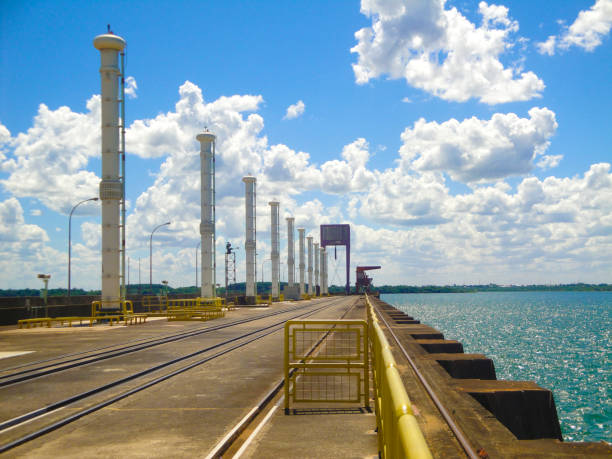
(327, 362)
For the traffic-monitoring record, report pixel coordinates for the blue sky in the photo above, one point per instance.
(465, 142)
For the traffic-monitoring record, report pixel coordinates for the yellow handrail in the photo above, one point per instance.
(399, 434)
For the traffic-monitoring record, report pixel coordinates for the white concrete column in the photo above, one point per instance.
(290, 253)
(316, 267)
(310, 283)
(275, 245)
(207, 212)
(250, 228)
(323, 271)
(302, 265)
(111, 193)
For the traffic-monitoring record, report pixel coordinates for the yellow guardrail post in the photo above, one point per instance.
(286, 368)
(399, 434)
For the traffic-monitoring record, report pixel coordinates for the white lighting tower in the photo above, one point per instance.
(316, 268)
(275, 252)
(310, 289)
(323, 271)
(250, 244)
(302, 265)
(290, 253)
(111, 188)
(207, 218)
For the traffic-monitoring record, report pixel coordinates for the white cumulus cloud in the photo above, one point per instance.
(475, 150)
(49, 161)
(295, 110)
(130, 87)
(441, 52)
(586, 32)
(549, 161)
(405, 217)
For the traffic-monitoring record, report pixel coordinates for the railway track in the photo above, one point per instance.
(173, 367)
(65, 362)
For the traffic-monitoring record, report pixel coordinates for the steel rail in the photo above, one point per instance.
(457, 431)
(120, 344)
(26, 375)
(14, 422)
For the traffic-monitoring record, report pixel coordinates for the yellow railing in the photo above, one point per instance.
(195, 308)
(182, 303)
(155, 304)
(326, 362)
(106, 308)
(399, 434)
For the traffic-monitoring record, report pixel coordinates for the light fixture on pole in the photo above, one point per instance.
(70, 237)
(196, 260)
(151, 255)
(45, 278)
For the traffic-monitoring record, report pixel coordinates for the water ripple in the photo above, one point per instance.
(560, 340)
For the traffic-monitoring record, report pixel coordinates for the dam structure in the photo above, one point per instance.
(325, 376)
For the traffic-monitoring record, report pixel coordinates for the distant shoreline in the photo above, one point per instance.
(579, 287)
(264, 287)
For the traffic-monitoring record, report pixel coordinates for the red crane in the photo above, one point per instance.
(363, 281)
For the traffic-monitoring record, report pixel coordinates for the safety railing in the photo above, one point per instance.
(216, 302)
(108, 308)
(399, 434)
(203, 314)
(154, 304)
(195, 309)
(182, 303)
(326, 362)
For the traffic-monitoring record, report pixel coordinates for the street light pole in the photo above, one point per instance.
(196, 260)
(151, 255)
(45, 278)
(70, 237)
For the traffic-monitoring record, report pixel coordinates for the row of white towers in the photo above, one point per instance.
(111, 193)
(319, 254)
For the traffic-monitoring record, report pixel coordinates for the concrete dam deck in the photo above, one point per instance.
(192, 389)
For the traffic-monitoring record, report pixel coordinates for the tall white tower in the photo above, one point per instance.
(316, 267)
(111, 193)
(310, 289)
(207, 219)
(250, 244)
(323, 271)
(302, 264)
(275, 252)
(290, 253)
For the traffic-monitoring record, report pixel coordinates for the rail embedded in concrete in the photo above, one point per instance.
(399, 434)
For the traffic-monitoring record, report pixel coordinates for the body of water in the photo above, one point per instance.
(560, 340)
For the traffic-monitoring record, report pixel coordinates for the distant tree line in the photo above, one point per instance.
(577, 287)
(265, 288)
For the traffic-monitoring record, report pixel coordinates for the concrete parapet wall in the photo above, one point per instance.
(500, 418)
(13, 309)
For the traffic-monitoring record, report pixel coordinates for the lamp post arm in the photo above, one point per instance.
(70, 237)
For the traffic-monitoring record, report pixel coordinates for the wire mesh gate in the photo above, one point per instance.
(326, 362)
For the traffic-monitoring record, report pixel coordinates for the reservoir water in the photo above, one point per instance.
(560, 340)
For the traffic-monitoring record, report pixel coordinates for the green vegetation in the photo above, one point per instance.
(578, 287)
(264, 288)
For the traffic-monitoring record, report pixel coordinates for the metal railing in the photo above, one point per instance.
(107, 308)
(326, 362)
(399, 434)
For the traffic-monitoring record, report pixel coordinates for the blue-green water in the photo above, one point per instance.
(560, 340)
